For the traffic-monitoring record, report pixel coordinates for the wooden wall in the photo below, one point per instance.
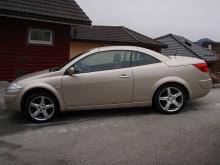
(17, 57)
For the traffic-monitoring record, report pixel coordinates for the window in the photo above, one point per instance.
(40, 36)
(139, 58)
(103, 61)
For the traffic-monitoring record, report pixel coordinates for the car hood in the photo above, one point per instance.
(38, 77)
(33, 75)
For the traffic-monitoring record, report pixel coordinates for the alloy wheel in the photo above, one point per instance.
(171, 99)
(41, 108)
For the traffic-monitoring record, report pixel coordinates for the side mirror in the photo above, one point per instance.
(71, 71)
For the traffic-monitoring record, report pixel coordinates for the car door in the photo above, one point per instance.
(147, 70)
(101, 78)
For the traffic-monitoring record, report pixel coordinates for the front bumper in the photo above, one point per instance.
(12, 100)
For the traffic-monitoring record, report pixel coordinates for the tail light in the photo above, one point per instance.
(202, 67)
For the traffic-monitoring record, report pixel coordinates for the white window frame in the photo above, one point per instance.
(40, 41)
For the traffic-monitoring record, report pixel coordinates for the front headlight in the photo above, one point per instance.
(14, 86)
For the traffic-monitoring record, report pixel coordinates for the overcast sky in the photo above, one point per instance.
(193, 19)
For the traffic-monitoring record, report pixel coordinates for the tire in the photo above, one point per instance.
(170, 99)
(41, 107)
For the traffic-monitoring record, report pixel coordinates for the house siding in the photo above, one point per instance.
(79, 47)
(217, 66)
(17, 57)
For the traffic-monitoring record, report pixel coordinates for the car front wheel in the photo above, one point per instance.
(170, 99)
(40, 107)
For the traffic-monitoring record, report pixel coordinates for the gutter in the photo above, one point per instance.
(42, 18)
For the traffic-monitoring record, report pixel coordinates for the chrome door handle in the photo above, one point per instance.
(124, 76)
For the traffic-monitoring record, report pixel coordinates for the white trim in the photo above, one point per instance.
(40, 41)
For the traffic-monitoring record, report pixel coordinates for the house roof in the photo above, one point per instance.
(181, 46)
(113, 35)
(60, 11)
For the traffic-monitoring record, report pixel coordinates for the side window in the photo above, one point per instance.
(40, 36)
(103, 61)
(139, 58)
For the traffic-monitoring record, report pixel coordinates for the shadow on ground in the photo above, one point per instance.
(13, 122)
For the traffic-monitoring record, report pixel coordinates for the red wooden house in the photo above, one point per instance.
(35, 35)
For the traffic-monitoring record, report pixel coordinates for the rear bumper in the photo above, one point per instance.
(206, 84)
(201, 88)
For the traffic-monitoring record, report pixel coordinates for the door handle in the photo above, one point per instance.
(124, 76)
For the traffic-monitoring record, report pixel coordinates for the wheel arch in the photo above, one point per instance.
(29, 91)
(172, 80)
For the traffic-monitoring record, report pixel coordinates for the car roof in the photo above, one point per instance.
(157, 55)
(134, 48)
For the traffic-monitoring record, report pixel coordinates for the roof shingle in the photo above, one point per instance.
(113, 34)
(64, 11)
(181, 46)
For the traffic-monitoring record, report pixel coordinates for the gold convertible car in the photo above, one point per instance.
(110, 77)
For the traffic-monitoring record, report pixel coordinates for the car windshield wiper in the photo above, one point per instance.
(54, 69)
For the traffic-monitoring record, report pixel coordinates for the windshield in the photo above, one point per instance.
(68, 61)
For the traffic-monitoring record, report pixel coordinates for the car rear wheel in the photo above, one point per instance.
(170, 98)
(40, 107)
